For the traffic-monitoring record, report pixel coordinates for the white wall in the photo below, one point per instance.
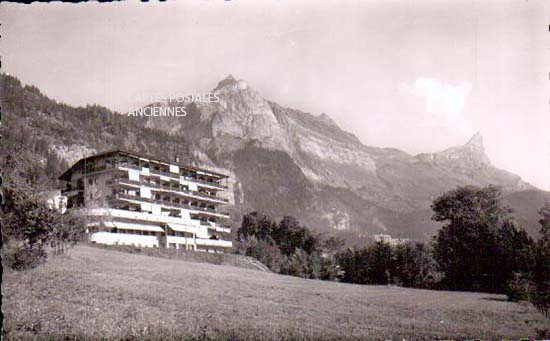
(133, 174)
(145, 192)
(174, 169)
(110, 238)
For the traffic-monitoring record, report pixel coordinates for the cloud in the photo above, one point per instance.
(445, 102)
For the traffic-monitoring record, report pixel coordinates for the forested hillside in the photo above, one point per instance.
(58, 134)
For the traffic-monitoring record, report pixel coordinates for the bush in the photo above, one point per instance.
(287, 247)
(21, 256)
(415, 267)
(288, 235)
(520, 288)
(28, 224)
(408, 265)
(266, 252)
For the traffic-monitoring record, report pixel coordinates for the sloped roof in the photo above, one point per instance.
(66, 175)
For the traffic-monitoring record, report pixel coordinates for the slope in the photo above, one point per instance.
(93, 293)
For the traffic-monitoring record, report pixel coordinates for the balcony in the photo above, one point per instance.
(164, 173)
(127, 165)
(186, 177)
(133, 215)
(209, 183)
(168, 188)
(165, 203)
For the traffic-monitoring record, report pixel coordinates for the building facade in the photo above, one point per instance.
(133, 199)
(388, 239)
(56, 201)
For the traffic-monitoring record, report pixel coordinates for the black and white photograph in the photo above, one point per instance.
(275, 170)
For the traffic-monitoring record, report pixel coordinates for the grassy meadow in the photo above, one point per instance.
(93, 293)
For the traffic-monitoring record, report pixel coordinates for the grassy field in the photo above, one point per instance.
(93, 293)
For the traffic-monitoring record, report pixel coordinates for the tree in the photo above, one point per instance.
(257, 225)
(541, 272)
(28, 224)
(286, 247)
(266, 252)
(409, 265)
(354, 265)
(479, 247)
(414, 266)
(332, 246)
(327, 254)
(290, 236)
(380, 263)
(515, 250)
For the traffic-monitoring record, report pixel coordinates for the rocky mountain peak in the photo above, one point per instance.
(474, 148)
(229, 80)
(476, 141)
(242, 113)
(471, 154)
(231, 83)
(327, 119)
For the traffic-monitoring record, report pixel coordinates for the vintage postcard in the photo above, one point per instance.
(275, 170)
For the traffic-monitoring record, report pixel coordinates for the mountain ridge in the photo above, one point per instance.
(282, 161)
(330, 158)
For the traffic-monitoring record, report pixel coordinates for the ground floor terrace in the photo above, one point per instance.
(165, 232)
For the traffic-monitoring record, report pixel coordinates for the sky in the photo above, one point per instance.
(420, 76)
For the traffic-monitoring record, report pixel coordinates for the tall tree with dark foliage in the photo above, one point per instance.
(541, 273)
(479, 247)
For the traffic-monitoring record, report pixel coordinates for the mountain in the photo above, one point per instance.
(281, 161)
(286, 161)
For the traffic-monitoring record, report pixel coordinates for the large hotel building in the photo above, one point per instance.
(133, 199)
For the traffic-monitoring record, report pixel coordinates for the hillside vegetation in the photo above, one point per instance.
(91, 293)
(58, 134)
